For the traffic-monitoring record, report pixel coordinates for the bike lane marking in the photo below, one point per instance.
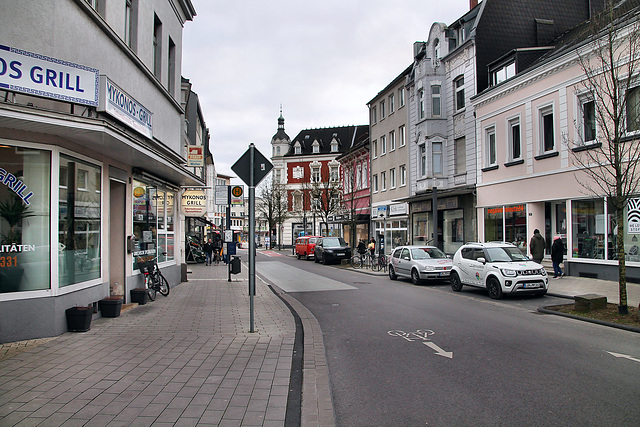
(422, 334)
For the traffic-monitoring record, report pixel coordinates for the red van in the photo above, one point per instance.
(305, 246)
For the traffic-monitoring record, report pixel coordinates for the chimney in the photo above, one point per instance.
(472, 4)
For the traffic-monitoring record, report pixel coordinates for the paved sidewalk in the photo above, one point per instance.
(187, 359)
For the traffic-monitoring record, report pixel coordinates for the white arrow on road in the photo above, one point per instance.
(438, 350)
(624, 356)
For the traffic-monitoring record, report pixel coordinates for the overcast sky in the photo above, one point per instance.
(322, 60)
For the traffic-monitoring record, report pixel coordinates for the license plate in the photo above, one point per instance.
(531, 285)
(340, 254)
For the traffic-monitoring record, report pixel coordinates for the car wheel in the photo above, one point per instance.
(494, 289)
(456, 284)
(308, 257)
(298, 256)
(415, 277)
(315, 258)
(324, 259)
(392, 273)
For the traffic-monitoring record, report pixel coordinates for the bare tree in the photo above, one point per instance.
(273, 205)
(604, 151)
(325, 194)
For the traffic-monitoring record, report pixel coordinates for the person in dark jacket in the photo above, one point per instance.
(557, 254)
(536, 246)
(208, 251)
(362, 247)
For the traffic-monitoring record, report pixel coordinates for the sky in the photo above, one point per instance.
(323, 61)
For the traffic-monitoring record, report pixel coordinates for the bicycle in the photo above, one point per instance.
(380, 263)
(361, 260)
(154, 281)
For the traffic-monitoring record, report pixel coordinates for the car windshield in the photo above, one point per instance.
(505, 254)
(427, 253)
(333, 242)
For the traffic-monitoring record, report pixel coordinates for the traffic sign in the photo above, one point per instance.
(261, 166)
(237, 191)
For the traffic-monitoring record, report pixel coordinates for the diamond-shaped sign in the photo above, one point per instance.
(261, 167)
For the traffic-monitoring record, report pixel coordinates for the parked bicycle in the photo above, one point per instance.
(154, 281)
(380, 263)
(361, 260)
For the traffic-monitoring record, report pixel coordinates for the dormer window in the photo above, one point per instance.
(502, 72)
(334, 146)
(316, 147)
(297, 148)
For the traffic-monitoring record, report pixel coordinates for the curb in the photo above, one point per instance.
(546, 310)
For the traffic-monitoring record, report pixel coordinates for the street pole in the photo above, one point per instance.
(252, 231)
(229, 228)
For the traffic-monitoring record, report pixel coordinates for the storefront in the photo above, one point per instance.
(390, 226)
(455, 222)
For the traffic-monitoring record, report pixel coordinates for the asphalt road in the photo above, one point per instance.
(404, 355)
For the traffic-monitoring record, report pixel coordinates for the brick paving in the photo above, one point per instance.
(188, 359)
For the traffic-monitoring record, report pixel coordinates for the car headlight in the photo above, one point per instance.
(543, 272)
(428, 268)
(508, 273)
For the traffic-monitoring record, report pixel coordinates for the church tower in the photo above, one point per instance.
(280, 144)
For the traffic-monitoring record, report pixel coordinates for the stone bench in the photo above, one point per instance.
(590, 302)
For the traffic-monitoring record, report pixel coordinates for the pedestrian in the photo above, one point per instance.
(362, 247)
(208, 252)
(557, 255)
(536, 246)
(372, 247)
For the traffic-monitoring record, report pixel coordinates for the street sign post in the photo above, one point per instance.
(252, 167)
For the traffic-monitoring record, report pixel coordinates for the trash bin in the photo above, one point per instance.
(235, 265)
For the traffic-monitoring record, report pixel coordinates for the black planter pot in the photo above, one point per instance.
(140, 296)
(79, 318)
(110, 307)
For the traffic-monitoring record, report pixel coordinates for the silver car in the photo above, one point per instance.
(419, 263)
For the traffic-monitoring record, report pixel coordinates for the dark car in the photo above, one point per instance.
(330, 249)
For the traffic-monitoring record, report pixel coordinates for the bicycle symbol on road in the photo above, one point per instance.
(421, 334)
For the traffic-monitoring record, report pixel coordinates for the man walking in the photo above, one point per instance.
(536, 246)
(208, 251)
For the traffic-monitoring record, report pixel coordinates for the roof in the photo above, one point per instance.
(345, 136)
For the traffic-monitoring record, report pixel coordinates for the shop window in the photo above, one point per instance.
(453, 230)
(631, 224)
(493, 224)
(79, 221)
(588, 227)
(515, 226)
(25, 176)
(153, 223)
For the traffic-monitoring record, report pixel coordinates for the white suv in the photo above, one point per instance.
(499, 267)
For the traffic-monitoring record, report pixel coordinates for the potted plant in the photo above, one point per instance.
(111, 306)
(79, 318)
(139, 295)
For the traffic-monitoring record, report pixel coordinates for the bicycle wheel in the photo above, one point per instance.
(151, 287)
(375, 264)
(382, 263)
(356, 261)
(163, 285)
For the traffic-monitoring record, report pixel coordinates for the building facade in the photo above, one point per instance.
(307, 167)
(389, 153)
(532, 129)
(91, 157)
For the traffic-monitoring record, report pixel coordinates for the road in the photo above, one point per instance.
(404, 355)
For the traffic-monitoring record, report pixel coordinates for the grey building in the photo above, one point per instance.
(91, 154)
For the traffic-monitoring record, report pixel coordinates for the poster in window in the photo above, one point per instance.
(633, 216)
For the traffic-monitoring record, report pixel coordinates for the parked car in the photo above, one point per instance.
(419, 263)
(501, 268)
(305, 246)
(330, 249)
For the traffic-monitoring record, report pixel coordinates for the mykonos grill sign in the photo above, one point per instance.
(41, 75)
